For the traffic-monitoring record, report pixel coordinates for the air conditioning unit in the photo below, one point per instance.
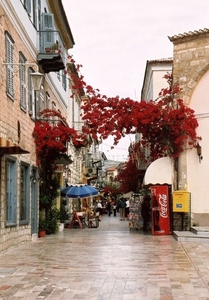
(92, 171)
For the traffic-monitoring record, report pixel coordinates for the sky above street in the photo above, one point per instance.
(115, 38)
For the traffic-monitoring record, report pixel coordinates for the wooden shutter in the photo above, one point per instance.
(11, 194)
(23, 83)
(10, 67)
(31, 105)
(48, 36)
(28, 6)
(64, 80)
(41, 99)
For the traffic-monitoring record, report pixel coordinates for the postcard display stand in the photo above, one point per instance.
(135, 219)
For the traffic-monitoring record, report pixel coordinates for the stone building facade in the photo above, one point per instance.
(191, 71)
(21, 24)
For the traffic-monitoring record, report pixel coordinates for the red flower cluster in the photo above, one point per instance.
(51, 133)
(167, 125)
(128, 176)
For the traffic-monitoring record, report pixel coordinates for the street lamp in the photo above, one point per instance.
(199, 152)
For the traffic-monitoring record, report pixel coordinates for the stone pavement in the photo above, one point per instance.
(108, 262)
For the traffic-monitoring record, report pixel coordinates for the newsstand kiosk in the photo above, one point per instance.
(160, 210)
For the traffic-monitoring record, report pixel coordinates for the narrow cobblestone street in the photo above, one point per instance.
(108, 262)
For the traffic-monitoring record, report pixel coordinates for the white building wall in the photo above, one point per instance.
(198, 180)
(153, 78)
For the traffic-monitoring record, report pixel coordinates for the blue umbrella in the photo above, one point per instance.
(80, 190)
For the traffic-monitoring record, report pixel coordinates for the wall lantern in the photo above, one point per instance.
(36, 77)
(34, 179)
(199, 152)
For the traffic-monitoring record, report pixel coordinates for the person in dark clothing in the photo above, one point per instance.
(145, 212)
(155, 213)
(114, 208)
(109, 208)
(122, 206)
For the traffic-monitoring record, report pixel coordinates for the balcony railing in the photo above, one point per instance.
(52, 53)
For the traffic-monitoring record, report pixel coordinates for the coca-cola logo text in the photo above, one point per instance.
(163, 205)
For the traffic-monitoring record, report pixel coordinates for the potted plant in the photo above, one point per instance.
(42, 225)
(52, 219)
(63, 216)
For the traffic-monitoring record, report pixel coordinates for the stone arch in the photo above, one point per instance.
(193, 81)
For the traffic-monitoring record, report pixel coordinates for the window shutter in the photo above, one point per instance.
(64, 80)
(47, 21)
(41, 99)
(10, 68)
(47, 100)
(35, 14)
(36, 103)
(28, 6)
(48, 38)
(23, 84)
(10, 192)
(31, 105)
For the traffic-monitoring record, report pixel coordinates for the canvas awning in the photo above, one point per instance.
(159, 172)
(8, 147)
(127, 195)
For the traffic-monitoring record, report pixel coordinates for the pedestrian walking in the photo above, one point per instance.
(145, 212)
(100, 210)
(114, 209)
(122, 205)
(127, 210)
(109, 208)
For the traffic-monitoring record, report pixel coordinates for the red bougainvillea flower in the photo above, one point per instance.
(167, 126)
(51, 134)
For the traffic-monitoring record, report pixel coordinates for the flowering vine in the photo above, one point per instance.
(51, 134)
(167, 125)
(129, 176)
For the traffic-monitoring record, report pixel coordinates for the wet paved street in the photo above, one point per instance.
(109, 262)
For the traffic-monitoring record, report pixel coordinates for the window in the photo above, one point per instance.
(24, 194)
(27, 4)
(11, 197)
(9, 67)
(22, 69)
(39, 13)
(31, 95)
(53, 106)
(64, 80)
(35, 14)
(35, 98)
(31, 8)
(47, 100)
(48, 36)
(59, 75)
(41, 99)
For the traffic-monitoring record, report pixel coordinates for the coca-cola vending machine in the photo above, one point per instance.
(160, 210)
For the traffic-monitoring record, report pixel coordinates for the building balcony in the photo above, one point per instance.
(52, 54)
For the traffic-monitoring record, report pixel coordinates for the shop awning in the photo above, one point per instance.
(8, 147)
(127, 195)
(159, 172)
